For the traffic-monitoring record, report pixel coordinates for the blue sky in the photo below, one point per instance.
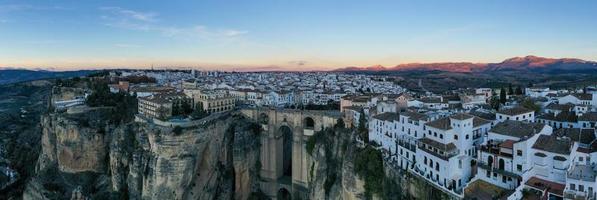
(306, 34)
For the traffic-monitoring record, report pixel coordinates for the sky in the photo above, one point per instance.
(288, 35)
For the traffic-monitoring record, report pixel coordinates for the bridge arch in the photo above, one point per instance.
(309, 123)
(283, 194)
(287, 145)
(285, 161)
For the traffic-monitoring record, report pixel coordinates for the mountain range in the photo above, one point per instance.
(527, 63)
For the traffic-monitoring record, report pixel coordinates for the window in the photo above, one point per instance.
(455, 137)
(580, 159)
(441, 136)
(581, 188)
(519, 167)
(425, 160)
(466, 137)
(519, 152)
(572, 186)
(503, 179)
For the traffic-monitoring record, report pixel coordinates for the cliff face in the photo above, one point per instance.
(82, 154)
(332, 174)
(343, 168)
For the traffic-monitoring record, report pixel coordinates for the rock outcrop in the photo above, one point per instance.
(85, 156)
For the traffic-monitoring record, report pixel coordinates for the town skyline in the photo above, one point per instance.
(302, 36)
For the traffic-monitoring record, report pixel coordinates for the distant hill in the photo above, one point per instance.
(20, 75)
(523, 64)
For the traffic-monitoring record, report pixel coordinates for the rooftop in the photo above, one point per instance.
(582, 96)
(589, 116)
(517, 128)
(582, 172)
(414, 115)
(441, 123)
(438, 145)
(480, 189)
(553, 144)
(562, 107)
(514, 111)
(551, 187)
(583, 136)
(388, 116)
(564, 116)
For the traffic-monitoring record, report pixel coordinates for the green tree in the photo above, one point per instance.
(510, 90)
(340, 123)
(363, 126)
(175, 109)
(185, 107)
(198, 114)
(530, 104)
(518, 90)
(502, 96)
(494, 103)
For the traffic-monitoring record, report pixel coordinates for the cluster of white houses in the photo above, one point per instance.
(549, 156)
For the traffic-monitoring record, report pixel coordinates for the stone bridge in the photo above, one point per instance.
(284, 159)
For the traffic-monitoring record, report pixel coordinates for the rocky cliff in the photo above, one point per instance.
(332, 174)
(85, 156)
(344, 168)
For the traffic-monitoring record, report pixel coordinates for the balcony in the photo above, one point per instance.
(483, 165)
(495, 150)
(406, 145)
(571, 194)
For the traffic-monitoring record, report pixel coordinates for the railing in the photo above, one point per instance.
(495, 150)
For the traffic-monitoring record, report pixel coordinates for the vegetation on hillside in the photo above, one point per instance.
(125, 105)
(368, 164)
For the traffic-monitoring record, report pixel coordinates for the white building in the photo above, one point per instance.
(445, 151)
(516, 114)
(538, 92)
(504, 157)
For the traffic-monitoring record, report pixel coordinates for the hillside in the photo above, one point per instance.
(527, 63)
(8, 76)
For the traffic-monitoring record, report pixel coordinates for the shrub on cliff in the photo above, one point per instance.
(368, 164)
(177, 130)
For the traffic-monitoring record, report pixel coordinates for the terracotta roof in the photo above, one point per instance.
(589, 116)
(551, 187)
(582, 96)
(507, 144)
